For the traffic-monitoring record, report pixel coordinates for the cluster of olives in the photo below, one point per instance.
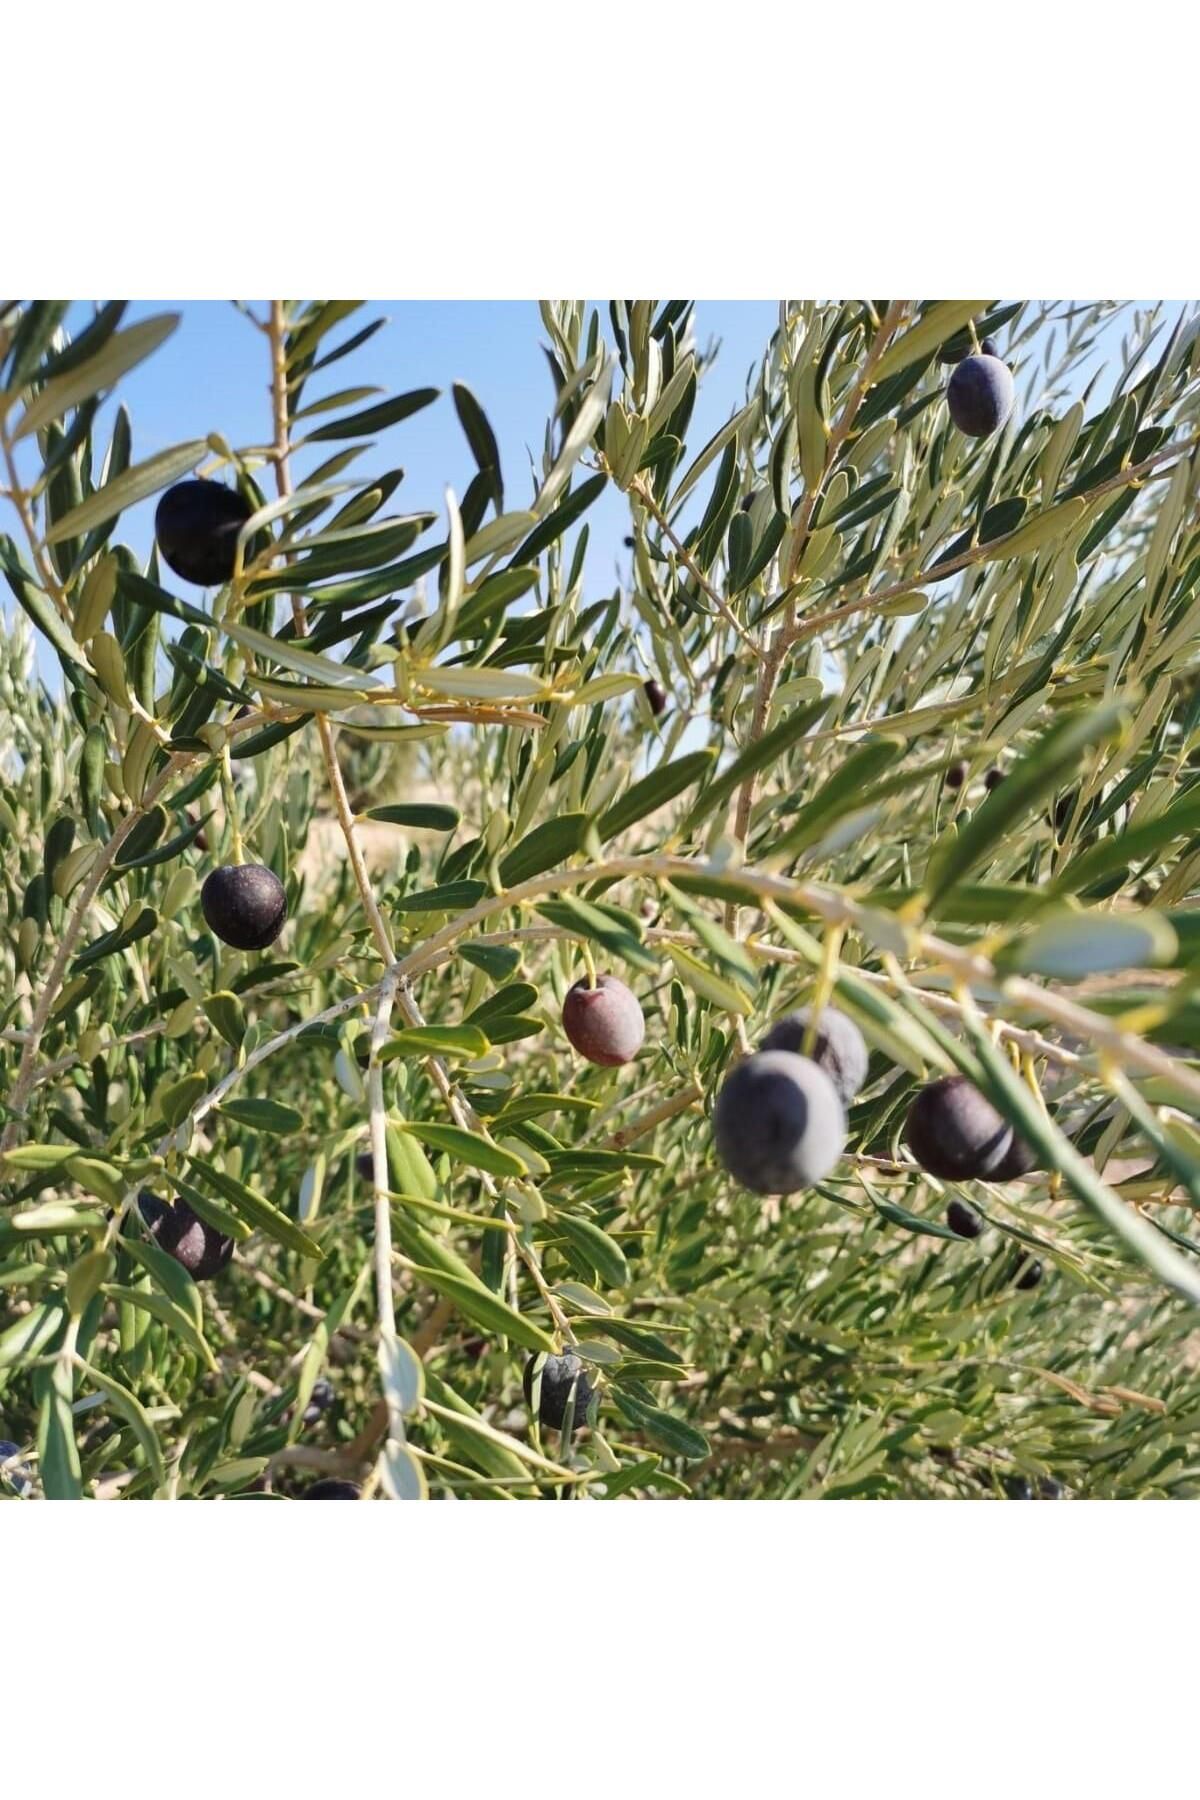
(780, 1117)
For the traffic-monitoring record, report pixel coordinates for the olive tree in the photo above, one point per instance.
(393, 1172)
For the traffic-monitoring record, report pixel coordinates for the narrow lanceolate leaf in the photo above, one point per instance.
(468, 1147)
(1054, 756)
(1138, 1235)
(436, 1040)
(620, 934)
(703, 981)
(135, 484)
(480, 684)
(545, 847)
(373, 418)
(663, 1428)
(264, 1115)
(922, 339)
(1070, 944)
(481, 1306)
(654, 790)
(583, 429)
(167, 1313)
(419, 817)
(790, 729)
(599, 1250)
(482, 440)
(134, 1414)
(257, 1211)
(120, 354)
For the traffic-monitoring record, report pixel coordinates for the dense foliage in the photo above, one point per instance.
(925, 745)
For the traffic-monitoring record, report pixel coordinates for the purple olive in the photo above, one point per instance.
(980, 395)
(197, 525)
(605, 1022)
(245, 904)
(954, 1132)
(838, 1047)
(778, 1123)
(656, 695)
(196, 1245)
(561, 1378)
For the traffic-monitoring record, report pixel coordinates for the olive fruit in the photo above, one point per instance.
(980, 395)
(12, 1469)
(245, 905)
(1019, 1159)
(561, 1376)
(195, 1244)
(319, 1401)
(992, 779)
(778, 1123)
(332, 1489)
(604, 1023)
(656, 696)
(956, 774)
(1027, 1272)
(954, 1132)
(838, 1047)
(963, 1220)
(196, 526)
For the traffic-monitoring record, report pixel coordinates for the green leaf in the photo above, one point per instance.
(483, 1308)
(135, 484)
(663, 1428)
(598, 1250)
(58, 1453)
(654, 790)
(482, 440)
(176, 1101)
(1057, 753)
(29, 1336)
(768, 749)
(1008, 1092)
(452, 897)
(545, 847)
(264, 1115)
(257, 1211)
(1070, 944)
(467, 1147)
(418, 817)
(226, 1012)
(436, 1040)
(120, 354)
(940, 322)
(708, 985)
(167, 1313)
(560, 520)
(620, 935)
(497, 960)
(910, 1221)
(134, 1414)
(373, 418)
